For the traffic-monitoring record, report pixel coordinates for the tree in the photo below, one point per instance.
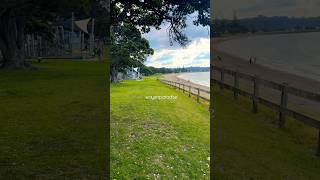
(146, 14)
(128, 48)
(140, 16)
(147, 71)
(101, 12)
(234, 26)
(18, 15)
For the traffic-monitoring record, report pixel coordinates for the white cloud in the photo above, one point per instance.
(197, 53)
(160, 38)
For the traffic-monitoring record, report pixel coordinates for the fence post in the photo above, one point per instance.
(236, 85)
(198, 94)
(189, 90)
(222, 78)
(179, 86)
(183, 87)
(255, 94)
(318, 150)
(283, 105)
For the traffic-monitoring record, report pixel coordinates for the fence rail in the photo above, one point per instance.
(282, 107)
(189, 89)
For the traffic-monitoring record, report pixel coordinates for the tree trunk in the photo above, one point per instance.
(11, 41)
(114, 74)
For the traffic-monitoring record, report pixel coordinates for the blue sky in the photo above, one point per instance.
(197, 53)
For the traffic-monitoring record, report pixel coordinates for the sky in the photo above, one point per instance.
(196, 54)
(250, 8)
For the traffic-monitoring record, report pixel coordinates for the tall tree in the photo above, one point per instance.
(16, 15)
(128, 48)
(141, 15)
(101, 12)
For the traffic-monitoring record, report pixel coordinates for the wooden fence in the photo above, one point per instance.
(281, 107)
(191, 90)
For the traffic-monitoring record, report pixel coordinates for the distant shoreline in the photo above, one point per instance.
(174, 77)
(265, 33)
(236, 63)
(196, 77)
(215, 41)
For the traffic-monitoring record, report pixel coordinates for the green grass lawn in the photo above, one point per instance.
(157, 139)
(250, 146)
(53, 121)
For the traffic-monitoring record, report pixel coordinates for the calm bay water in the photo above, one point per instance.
(202, 78)
(294, 53)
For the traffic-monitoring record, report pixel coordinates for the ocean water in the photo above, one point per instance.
(294, 53)
(202, 78)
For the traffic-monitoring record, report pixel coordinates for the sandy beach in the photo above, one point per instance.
(174, 77)
(235, 63)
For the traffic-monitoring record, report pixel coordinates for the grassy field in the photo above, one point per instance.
(157, 139)
(250, 146)
(53, 121)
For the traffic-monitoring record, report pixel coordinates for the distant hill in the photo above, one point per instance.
(149, 70)
(267, 24)
(196, 69)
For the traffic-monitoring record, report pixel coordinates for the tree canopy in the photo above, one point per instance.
(141, 15)
(18, 17)
(145, 14)
(128, 48)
